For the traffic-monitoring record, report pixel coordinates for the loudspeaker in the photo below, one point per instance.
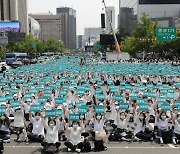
(103, 20)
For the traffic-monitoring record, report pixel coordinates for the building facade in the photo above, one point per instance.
(15, 10)
(127, 21)
(79, 41)
(34, 27)
(91, 35)
(69, 26)
(162, 10)
(50, 26)
(110, 19)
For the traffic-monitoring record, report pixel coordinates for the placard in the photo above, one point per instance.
(74, 117)
(123, 106)
(53, 113)
(2, 109)
(165, 107)
(143, 106)
(36, 107)
(99, 109)
(83, 109)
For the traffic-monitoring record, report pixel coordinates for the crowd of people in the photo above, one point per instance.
(66, 102)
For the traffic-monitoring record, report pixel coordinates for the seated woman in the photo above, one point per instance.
(97, 124)
(176, 123)
(75, 142)
(122, 131)
(37, 134)
(164, 133)
(141, 132)
(51, 136)
(18, 126)
(4, 129)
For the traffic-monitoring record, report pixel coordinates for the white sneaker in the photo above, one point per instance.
(69, 150)
(78, 150)
(6, 141)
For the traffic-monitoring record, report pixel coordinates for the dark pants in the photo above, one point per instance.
(164, 133)
(35, 138)
(16, 130)
(74, 147)
(45, 144)
(85, 134)
(177, 137)
(4, 136)
(144, 136)
(26, 116)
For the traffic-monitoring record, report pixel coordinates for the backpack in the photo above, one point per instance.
(87, 146)
(99, 145)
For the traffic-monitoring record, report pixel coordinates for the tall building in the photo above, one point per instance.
(50, 26)
(69, 26)
(91, 35)
(164, 11)
(110, 19)
(127, 20)
(79, 41)
(15, 10)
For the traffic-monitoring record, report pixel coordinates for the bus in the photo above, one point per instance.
(14, 57)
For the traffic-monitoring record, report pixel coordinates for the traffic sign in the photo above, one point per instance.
(166, 33)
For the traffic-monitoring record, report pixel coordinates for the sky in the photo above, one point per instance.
(88, 12)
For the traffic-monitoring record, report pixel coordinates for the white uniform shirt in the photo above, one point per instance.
(177, 127)
(52, 133)
(38, 127)
(75, 135)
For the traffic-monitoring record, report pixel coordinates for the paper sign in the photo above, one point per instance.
(74, 117)
(2, 109)
(54, 113)
(165, 107)
(36, 107)
(83, 109)
(123, 106)
(15, 104)
(143, 107)
(60, 100)
(99, 109)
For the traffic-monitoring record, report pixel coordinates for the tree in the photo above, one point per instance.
(53, 45)
(128, 45)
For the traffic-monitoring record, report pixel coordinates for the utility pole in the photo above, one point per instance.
(115, 38)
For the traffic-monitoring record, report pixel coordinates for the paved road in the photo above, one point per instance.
(113, 148)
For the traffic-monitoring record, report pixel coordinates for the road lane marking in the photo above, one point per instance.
(171, 147)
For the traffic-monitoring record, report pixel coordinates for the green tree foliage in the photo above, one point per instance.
(32, 45)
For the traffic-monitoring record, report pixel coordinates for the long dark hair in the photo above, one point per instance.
(144, 120)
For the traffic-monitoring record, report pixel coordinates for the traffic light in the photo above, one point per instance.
(103, 20)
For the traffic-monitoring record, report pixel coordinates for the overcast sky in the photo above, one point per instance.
(88, 11)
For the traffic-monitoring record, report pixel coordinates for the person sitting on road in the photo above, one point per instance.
(75, 142)
(141, 132)
(51, 136)
(4, 128)
(37, 134)
(165, 133)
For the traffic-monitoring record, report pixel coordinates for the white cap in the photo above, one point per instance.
(28, 100)
(15, 95)
(32, 95)
(3, 103)
(117, 107)
(64, 104)
(101, 104)
(7, 93)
